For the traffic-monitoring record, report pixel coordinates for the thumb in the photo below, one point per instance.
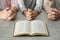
(29, 10)
(8, 8)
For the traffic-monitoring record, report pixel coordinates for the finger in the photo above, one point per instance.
(8, 8)
(51, 10)
(10, 13)
(55, 10)
(29, 18)
(49, 14)
(53, 19)
(11, 17)
(29, 10)
(53, 13)
(30, 13)
(15, 16)
(53, 16)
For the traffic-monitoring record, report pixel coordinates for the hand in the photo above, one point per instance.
(25, 11)
(11, 17)
(35, 13)
(14, 9)
(53, 14)
(4, 14)
(29, 14)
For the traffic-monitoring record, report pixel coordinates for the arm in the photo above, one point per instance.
(47, 5)
(14, 5)
(38, 5)
(21, 5)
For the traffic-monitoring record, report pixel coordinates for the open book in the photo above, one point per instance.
(32, 28)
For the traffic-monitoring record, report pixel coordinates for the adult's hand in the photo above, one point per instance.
(53, 14)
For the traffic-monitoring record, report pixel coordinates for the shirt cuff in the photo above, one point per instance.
(23, 9)
(37, 9)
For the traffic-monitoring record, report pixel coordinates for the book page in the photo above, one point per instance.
(22, 27)
(38, 27)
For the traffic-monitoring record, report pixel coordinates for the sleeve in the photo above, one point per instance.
(21, 5)
(47, 5)
(38, 5)
(14, 3)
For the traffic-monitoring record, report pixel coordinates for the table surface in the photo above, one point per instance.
(6, 28)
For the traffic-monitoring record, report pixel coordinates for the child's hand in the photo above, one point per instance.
(25, 12)
(29, 14)
(35, 13)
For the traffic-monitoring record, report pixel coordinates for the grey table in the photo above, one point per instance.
(6, 28)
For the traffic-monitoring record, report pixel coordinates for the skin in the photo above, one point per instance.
(53, 14)
(30, 14)
(8, 14)
(13, 15)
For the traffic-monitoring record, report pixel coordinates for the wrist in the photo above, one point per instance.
(36, 11)
(24, 12)
(14, 9)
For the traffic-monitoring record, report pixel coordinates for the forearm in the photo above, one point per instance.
(38, 5)
(14, 9)
(21, 5)
(14, 5)
(47, 5)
